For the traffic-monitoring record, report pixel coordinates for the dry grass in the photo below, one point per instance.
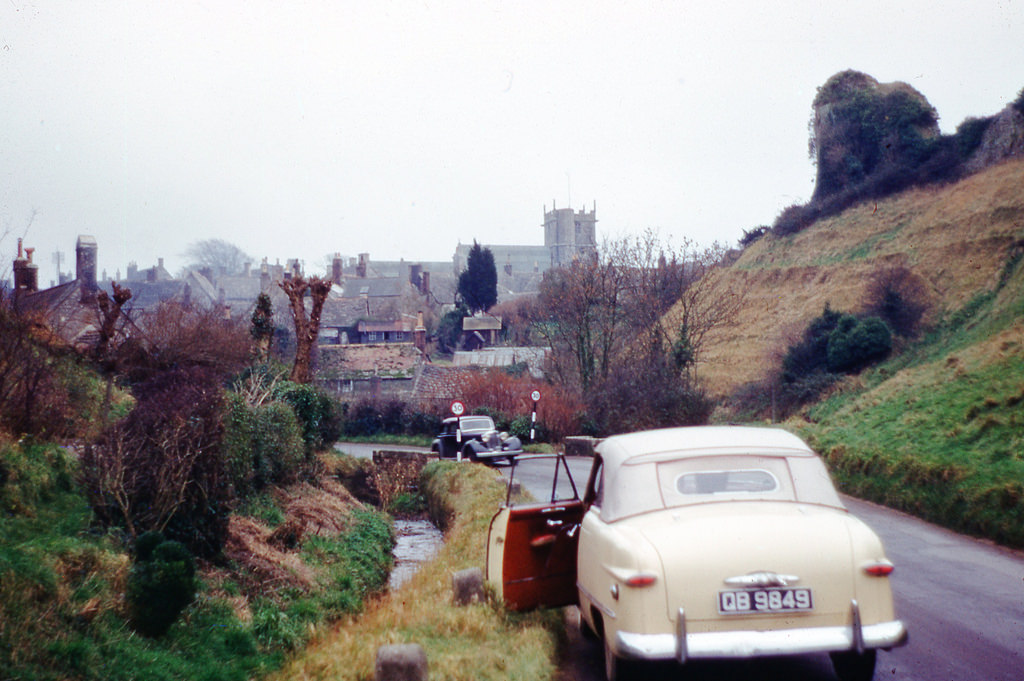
(955, 238)
(469, 643)
(268, 560)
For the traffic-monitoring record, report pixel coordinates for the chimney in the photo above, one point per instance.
(419, 333)
(246, 269)
(336, 269)
(85, 267)
(26, 273)
(264, 277)
(364, 263)
(425, 284)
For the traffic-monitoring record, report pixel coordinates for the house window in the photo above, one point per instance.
(371, 336)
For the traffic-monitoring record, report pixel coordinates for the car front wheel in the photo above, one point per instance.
(851, 666)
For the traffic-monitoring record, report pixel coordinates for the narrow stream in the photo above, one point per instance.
(416, 541)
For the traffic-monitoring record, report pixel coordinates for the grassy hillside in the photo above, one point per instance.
(957, 239)
(938, 429)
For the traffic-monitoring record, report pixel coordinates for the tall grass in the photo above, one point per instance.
(476, 642)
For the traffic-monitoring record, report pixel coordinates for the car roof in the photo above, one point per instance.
(453, 419)
(700, 441)
(630, 478)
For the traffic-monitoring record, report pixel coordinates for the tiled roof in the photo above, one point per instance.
(364, 361)
(438, 383)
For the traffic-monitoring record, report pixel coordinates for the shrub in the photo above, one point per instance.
(810, 354)
(970, 133)
(753, 234)
(261, 444)
(319, 414)
(393, 416)
(160, 468)
(506, 398)
(645, 394)
(899, 298)
(45, 390)
(161, 584)
(177, 336)
(856, 343)
(1018, 103)
(363, 418)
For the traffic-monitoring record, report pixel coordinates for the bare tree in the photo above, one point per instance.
(635, 316)
(307, 327)
(217, 255)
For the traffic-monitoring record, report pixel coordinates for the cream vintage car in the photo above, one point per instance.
(704, 542)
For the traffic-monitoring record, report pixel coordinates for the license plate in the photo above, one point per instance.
(773, 600)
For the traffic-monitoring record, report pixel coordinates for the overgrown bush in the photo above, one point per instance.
(391, 416)
(319, 414)
(857, 343)
(836, 343)
(161, 584)
(176, 336)
(160, 468)
(507, 398)
(752, 235)
(45, 389)
(645, 394)
(809, 355)
(898, 297)
(261, 444)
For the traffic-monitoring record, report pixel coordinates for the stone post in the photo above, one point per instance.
(400, 662)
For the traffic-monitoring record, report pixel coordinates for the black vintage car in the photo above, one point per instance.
(479, 440)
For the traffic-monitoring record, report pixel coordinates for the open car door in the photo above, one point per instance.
(531, 546)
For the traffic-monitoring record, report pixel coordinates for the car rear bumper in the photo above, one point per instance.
(682, 646)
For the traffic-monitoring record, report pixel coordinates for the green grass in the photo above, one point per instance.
(62, 613)
(939, 430)
(480, 642)
(385, 438)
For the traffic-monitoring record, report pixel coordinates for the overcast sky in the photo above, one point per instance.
(300, 129)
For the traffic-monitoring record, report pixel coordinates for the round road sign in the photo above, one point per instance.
(458, 408)
(535, 396)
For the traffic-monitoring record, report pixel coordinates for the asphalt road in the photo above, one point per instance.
(962, 601)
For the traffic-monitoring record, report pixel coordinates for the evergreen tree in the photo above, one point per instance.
(478, 283)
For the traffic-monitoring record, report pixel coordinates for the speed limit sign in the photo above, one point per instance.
(458, 408)
(535, 396)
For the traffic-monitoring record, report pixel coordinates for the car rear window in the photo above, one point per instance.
(476, 423)
(725, 478)
(717, 482)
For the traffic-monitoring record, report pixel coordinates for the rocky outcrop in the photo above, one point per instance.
(862, 127)
(1003, 139)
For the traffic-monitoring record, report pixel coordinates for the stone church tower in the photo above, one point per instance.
(569, 234)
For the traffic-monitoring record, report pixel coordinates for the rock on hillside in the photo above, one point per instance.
(862, 127)
(1003, 139)
(955, 238)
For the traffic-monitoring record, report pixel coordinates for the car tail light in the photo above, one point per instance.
(641, 579)
(879, 568)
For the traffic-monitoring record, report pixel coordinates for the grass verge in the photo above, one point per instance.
(478, 642)
(62, 608)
